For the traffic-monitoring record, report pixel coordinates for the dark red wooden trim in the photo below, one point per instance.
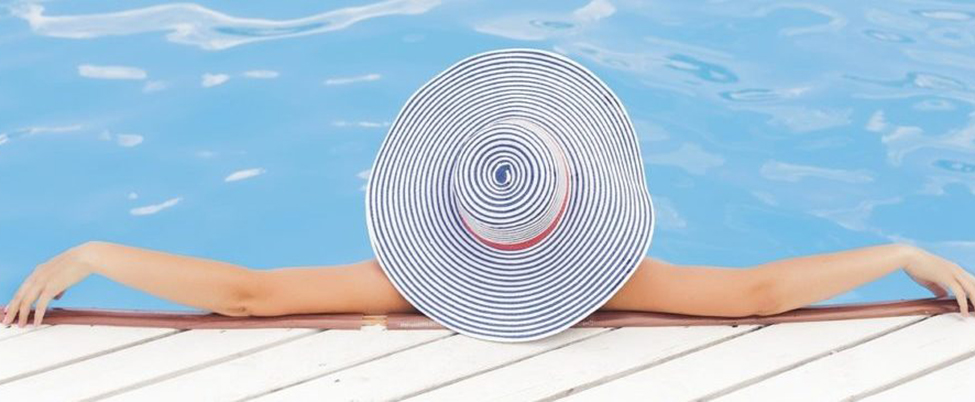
(192, 320)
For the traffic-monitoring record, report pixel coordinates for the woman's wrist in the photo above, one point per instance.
(91, 254)
(909, 254)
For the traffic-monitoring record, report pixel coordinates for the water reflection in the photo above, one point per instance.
(557, 25)
(703, 70)
(917, 80)
(952, 36)
(887, 36)
(945, 15)
(893, 20)
(955, 166)
(934, 104)
(197, 25)
(535, 26)
(762, 95)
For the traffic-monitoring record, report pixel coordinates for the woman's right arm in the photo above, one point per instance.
(217, 286)
(204, 283)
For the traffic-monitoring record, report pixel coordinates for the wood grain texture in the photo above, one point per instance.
(870, 365)
(283, 365)
(147, 362)
(424, 368)
(583, 364)
(12, 331)
(60, 345)
(954, 383)
(749, 357)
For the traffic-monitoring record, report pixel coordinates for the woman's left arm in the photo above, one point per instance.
(782, 285)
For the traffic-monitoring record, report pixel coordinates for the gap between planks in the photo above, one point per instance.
(338, 369)
(32, 329)
(200, 366)
(624, 373)
(462, 378)
(913, 376)
(797, 364)
(560, 395)
(85, 357)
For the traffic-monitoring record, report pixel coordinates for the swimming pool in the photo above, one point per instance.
(244, 132)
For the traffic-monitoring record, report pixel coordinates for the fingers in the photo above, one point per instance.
(967, 275)
(25, 304)
(960, 296)
(41, 308)
(34, 286)
(966, 282)
(14, 305)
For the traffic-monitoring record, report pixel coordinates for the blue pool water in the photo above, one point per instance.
(244, 131)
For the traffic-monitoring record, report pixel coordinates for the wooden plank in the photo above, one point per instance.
(953, 383)
(744, 359)
(429, 366)
(145, 363)
(592, 361)
(869, 365)
(45, 349)
(13, 331)
(283, 365)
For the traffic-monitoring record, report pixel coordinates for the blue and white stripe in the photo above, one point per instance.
(508, 200)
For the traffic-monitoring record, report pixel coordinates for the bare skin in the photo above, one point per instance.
(362, 287)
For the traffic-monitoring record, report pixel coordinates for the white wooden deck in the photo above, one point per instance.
(880, 359)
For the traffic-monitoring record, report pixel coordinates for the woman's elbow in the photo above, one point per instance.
(765, 299)
(235, 311)
(243, 299)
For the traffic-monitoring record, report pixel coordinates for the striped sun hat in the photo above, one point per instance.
(508, 200)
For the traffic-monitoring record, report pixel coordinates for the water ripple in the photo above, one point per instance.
(556, 25)
(952, 36)
(934, 104)
(955, 166)
(762, 94)
(891, 20)
(917, 80)
(946, 15)
(193, 24)
(534, 26)
(703, 70)
(887, 36)
(836, 20)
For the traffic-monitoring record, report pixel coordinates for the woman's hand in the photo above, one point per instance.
(48, 281)
(938, 275)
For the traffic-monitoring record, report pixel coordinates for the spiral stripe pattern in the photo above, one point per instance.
(498, 206)
(508, 200)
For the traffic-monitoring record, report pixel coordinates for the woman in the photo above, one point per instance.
(362, 287)
(522, 144)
